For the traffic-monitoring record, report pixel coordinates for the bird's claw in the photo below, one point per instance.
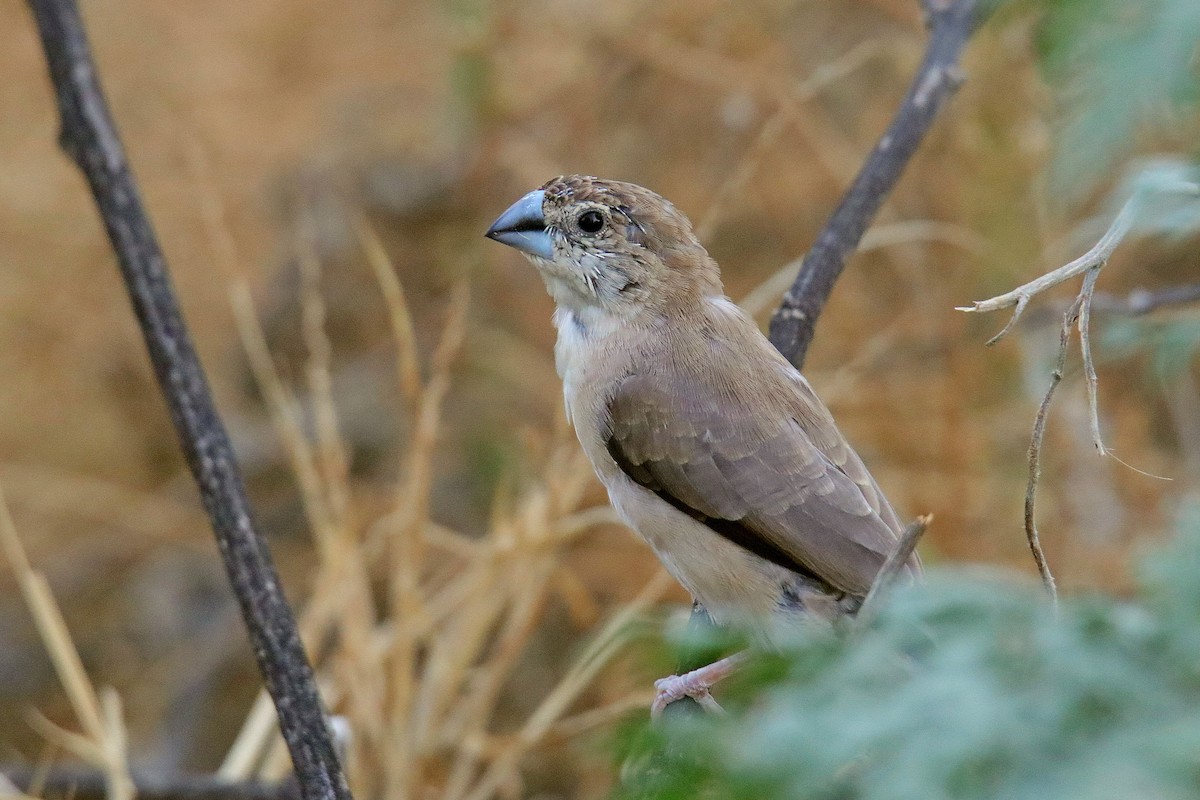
(677, 687)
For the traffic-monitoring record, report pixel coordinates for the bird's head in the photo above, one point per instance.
(609, 246)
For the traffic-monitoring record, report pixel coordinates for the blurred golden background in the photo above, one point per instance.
(273, 141)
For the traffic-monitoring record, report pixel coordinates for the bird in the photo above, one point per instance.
(712, 446)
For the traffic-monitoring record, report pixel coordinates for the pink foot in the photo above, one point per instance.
(694, 684)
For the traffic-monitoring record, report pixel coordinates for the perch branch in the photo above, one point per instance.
(90, 138)
(951, 23)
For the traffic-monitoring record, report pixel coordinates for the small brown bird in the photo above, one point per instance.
(712, 446)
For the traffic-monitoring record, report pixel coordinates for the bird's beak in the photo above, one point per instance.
(524, 227)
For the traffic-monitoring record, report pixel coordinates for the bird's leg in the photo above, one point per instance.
(695, 684)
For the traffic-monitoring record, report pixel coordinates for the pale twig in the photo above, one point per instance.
(1089, 366)
(1089, 265)
(892, 568)
(1095, 258)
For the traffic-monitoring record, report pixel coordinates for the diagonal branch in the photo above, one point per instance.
(90, 138)
(891, 569)
(951, 23)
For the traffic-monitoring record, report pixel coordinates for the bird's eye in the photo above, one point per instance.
(590, 222)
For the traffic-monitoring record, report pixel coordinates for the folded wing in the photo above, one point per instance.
(761, 464)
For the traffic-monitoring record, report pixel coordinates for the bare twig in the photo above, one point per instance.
(892, 568)
(1085, 347)
(1140, 302)
(951, 25)
(89, 784)
(1093, 259)
(1079, 312)
(90, 138)
(1035, 451)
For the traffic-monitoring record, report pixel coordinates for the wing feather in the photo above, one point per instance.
(761, 464)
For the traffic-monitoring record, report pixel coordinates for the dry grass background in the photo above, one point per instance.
(320, 177)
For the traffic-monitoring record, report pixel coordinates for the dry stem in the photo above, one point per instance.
(103, 742)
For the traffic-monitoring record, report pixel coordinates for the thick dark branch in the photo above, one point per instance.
(90, 784)
(90, 138)
(951, 24)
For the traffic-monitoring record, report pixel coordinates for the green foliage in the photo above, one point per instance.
(1171, 344)
(1116, 66)
(1165, 193)
(970, 686)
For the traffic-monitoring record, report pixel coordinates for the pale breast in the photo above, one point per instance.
(732, 583)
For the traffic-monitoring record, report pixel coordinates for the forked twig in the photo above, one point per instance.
(1078, 313)
(1093, 259)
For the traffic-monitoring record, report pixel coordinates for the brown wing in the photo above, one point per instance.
(759, 479)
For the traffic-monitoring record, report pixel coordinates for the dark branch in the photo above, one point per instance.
(79, 783)
(951, 24)
(89, 136)
(1144, 301)
(792, 326)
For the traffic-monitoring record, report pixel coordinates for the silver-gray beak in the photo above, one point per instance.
(524, 227)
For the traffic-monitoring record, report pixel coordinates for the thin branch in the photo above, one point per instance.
(1093, 259)
(951, 25)
(1140, 302)
(90, 138)
(1085, 347)
(892, 568)
(1035, 451)
(89, 784)
(794, 322)
(1090, 265)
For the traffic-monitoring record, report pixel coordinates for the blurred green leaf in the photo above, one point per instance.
(970, 686)
(1171, 344)
(1116, 66)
